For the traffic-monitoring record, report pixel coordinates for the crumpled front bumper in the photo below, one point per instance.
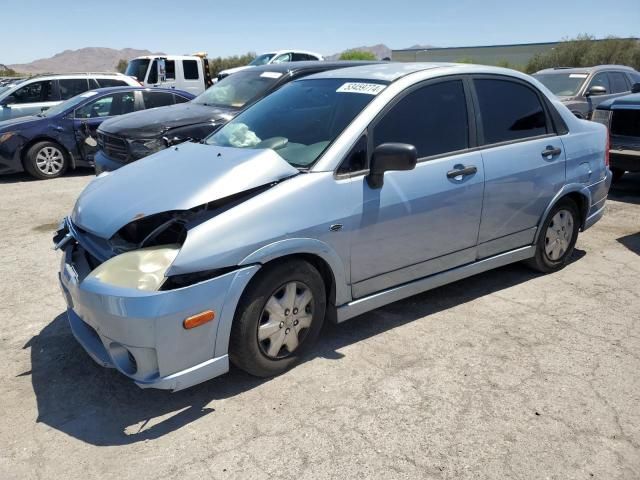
(141, 333)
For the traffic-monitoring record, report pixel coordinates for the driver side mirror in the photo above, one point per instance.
(595, 91)
(7, 101)
(635, 88)
(390, 157)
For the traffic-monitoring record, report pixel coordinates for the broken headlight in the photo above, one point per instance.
(143, 148)
(142, 269)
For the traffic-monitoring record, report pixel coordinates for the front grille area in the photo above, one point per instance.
(115, 148)
(626, 123)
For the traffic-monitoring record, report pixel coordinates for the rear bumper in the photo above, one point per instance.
(599, 193)
(628, 160)
(141, 334)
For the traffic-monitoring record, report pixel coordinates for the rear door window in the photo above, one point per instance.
(618, 82)
(35, 92)
(190, 68)
(157, 99)
(72, 86)
(509, 110)
(432, 118)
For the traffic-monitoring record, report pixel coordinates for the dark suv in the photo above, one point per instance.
(137, 135)
(622, 116)
(583, 89)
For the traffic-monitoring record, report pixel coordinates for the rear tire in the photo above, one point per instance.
(617, 173)
(557, 238)
(45, 160)
(278, 318)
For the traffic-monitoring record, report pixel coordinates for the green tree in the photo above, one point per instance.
(585, 51)
(357, 55)
(122, 65)
(217, 64)
(8, 72)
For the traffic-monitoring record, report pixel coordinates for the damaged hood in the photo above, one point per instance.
(178, 178)
(156, 121)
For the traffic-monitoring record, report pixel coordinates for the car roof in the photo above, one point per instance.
(168, 57)
(127, 88)
(295, 67)
(63, 76)
(294, 50)
(390, 71)
(595, 68)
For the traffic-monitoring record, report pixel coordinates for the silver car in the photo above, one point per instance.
(33, 95)
(335, 195)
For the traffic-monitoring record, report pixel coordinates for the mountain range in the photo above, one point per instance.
(90, 59)
(97, 59)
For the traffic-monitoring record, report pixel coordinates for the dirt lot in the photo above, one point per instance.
(505, 375)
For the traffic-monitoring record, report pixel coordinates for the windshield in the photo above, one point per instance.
(236, 90)
(138, 68)
(3, 89)
(299, 120)
(262, 59)
(562, 84)
(66, 105)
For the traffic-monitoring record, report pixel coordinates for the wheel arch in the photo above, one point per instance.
(322, 256)
(44, 138)
(579, 193)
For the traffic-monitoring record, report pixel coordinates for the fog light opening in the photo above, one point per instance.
(123, 359)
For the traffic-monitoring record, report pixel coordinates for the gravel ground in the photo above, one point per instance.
(508, 374)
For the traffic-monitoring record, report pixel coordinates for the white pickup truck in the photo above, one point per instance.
(184, 72)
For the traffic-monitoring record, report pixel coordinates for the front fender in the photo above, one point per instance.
(293, 246)
(564, 191)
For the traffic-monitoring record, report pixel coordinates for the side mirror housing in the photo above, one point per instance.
(389, 157)
(635, 88)
(7, 100)
(595, 91)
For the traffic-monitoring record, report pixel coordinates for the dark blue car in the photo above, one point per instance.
(63, 137)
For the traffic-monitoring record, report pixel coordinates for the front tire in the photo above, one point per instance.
(278, 318)
(45, 160)
(557, 238)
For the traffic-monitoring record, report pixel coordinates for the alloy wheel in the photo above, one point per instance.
(49, 160)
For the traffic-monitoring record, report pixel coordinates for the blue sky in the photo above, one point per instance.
(40, 29)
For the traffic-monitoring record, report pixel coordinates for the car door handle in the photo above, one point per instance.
(462, 171)
(551, 151)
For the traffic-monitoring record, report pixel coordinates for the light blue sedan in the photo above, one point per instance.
(335, 195)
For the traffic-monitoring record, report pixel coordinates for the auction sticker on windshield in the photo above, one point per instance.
(356, 87)
(271, 74)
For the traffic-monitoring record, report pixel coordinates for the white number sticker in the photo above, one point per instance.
(271, 74)
(88, 94)
(578, 75)
(366, 88)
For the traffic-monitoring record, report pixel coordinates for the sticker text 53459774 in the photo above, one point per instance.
(357, 87)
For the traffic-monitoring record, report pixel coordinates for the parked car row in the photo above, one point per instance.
(126, 139)
(63, 136)
(338, 192)
(31, 96)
